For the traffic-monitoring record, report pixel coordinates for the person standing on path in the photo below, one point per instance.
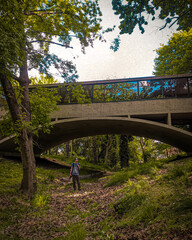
(74, 172)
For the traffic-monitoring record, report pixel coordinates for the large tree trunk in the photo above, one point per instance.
(20, 116)
(29, 183)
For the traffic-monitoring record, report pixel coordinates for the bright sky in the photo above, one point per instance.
(135, 58)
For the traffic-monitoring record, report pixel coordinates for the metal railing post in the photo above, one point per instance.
(92, 89)
(138, 89)
(188, 87)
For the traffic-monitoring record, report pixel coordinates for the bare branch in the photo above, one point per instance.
(33, 14)
(179, 18)
(62, 45)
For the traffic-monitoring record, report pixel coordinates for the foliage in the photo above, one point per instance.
(77, 232)
(115, 44)
(43, 22)
(43, 80)
(149, 168)
(43, 102)
(77, 93)
(146, 203)
(10, 176)
(108, 151)
(130, 200)
(38, 25)
(133, 13)
(146, 207)
(41, 200)
(11, 35)
(175, 57)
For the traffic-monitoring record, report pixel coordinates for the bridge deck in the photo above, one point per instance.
(127, 89)
(147, 107)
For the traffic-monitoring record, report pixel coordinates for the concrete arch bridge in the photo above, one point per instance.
(153, 107)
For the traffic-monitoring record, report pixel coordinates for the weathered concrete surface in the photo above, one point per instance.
(157, 110)
(65, 130)
(150, 118)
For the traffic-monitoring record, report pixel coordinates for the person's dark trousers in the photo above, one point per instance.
(76, 179)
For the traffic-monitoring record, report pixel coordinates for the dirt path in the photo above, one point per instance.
(76, 215)
(90, 206)
(68, 211)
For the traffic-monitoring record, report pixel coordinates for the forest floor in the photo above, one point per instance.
(97, 211)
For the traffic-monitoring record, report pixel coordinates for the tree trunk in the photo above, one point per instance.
(124, 151)
(67, 149)
(108, 146)
(71, 148)
(88, 149)
(143, 145)
(20, 117)
(26, 138)
(94, 141)
(28, 184)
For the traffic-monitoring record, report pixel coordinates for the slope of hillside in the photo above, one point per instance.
(151, 201)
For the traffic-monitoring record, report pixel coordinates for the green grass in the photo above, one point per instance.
(76, 232)
(156, 196)
(159, 199)
(14, 205)
(123, 176)
(10, 176)
(41, 199)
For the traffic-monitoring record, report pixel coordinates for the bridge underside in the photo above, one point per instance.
(64, 130)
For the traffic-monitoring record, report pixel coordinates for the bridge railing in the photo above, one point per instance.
(179, 86)
(117, 90)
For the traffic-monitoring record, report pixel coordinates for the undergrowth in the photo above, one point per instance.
(123, 176)
(156, 199)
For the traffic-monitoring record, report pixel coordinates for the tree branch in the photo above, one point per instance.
(169, 22)
(16, 78)
(55, 34)
(179, 18)
(62, 45)
(41, 13)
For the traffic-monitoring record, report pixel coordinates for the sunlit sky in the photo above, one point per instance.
(135, 57)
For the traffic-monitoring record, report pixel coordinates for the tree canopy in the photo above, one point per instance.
(32, 26)
(133, 13)
(27, 29)
(175, 57)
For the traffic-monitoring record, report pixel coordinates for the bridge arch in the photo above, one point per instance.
(68, 129)
(148, 107)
